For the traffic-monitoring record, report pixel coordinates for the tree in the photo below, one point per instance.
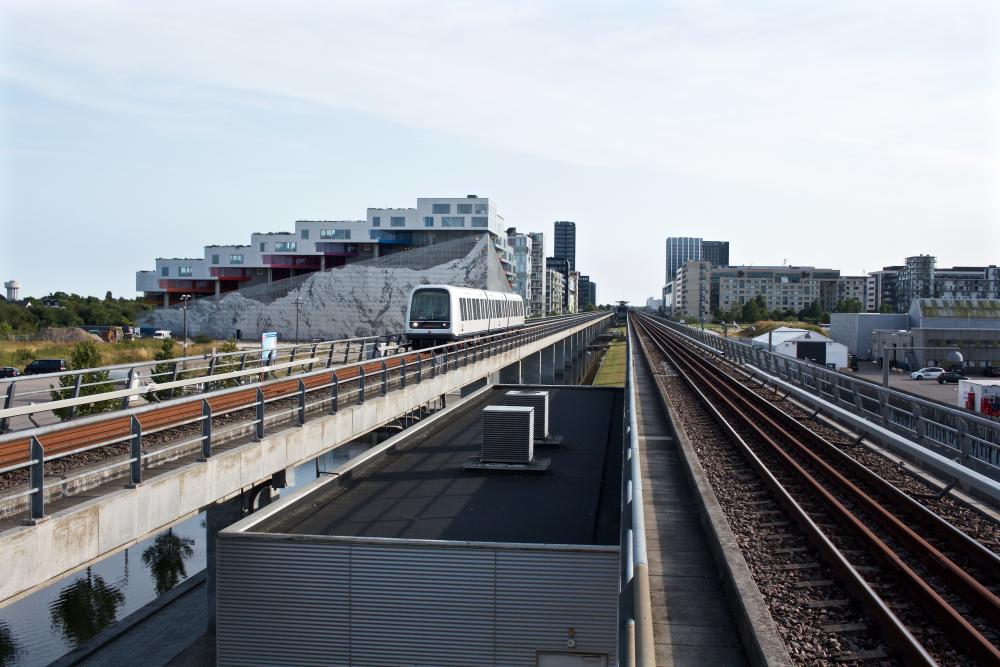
(85, 607)
(813, 313)
(85, 356)
(754, 310)
(847, 306)
(107, 296)
(163, 372)
(165, 559)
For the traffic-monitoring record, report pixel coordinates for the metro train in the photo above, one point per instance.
(440, 314)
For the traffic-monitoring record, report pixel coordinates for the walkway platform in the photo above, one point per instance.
(692, 620)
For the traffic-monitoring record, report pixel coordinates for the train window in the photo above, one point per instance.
(430, 305)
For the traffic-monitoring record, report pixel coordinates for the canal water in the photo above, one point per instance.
(49, 623)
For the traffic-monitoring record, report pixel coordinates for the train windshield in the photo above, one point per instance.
(430, 305)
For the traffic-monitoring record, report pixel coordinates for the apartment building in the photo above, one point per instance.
(317, 245)
(539, 277)
(588, 292)
(561, 265)
(555, 290)
(783, 287)
(521, 253)
(851, 287)
(573, 292)
(894, 288)
(692, 290)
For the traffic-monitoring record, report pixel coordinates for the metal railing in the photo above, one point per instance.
(75, 383)
(960, 435)
(332, 388)
(636, 628)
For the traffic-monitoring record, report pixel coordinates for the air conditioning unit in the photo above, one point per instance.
(508, 434)
(539, 402)
(508, 441)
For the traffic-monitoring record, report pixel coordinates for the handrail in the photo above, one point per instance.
(642, 652)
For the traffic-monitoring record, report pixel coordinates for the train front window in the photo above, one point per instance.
(430, 306)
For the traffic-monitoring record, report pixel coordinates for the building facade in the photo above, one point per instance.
(715, 253)
(539, 276)
(783, 287)
(521, 257)
(588, 292)
(555, 286)
(681, 249)
(894, 288)
(565, 242)
(692, 290)
(318, 245)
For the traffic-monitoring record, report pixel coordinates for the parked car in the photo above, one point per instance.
(161, 334)
(929, 373)
(992, 371)
(950, 376)
(39, 366)
(9, 372)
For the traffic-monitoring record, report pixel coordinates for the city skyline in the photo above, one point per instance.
(829, 136)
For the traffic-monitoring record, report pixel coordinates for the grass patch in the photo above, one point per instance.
(612, 371)
(20, 354)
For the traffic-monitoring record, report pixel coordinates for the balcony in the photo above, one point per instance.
(224, 273)
(187, 286)
(292, 261)
(337, 249)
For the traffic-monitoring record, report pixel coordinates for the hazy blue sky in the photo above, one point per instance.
(845, 134)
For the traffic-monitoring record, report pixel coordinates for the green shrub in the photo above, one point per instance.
(85, 355)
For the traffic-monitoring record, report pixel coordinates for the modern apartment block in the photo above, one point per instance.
(521, 254)
(561, 265)
(894, 288)
(539, 276)
(565, 242)
(783, 287)
(555, 292)
(317, 245)
(851, 287)
(573, 292)
(692, 290)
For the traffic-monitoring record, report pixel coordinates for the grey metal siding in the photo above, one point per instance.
(282, 603)
(542, 595)
(328, 602)
(421, 606)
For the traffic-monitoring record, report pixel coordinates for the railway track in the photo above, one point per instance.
(830, 524)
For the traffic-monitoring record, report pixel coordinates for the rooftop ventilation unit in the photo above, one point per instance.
(539, 401)
(508, 434)
(508, 441)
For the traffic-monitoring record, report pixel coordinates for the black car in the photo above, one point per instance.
(950, 376)
(9, 372)
(992, 371)
(39, 366)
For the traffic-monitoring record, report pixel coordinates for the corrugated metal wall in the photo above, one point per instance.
(298, 602)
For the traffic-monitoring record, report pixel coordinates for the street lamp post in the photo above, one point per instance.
(298, 303)
(184, 300)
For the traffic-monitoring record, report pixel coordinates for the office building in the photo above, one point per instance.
(318, 245)
(565, 242)
(561, 265)
(716, 253)
(783, 287)
(588, 292)
(681, 249)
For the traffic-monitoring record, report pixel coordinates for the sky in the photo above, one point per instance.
(846, 135)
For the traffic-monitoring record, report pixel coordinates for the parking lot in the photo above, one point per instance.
(945, 393)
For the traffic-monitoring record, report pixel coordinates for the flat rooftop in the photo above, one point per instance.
(420, 490)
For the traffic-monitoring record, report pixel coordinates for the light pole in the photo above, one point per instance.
(184, 300)
(298, 303)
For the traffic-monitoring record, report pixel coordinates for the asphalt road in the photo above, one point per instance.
(945, 393)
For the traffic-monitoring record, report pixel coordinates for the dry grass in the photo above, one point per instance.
(763, 326)
(20, 354)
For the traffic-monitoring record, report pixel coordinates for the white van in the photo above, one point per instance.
(161, 333)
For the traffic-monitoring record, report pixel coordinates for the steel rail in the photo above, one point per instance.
(756, 419)
(974, 592)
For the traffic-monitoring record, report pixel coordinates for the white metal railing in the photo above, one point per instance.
(958, 434)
